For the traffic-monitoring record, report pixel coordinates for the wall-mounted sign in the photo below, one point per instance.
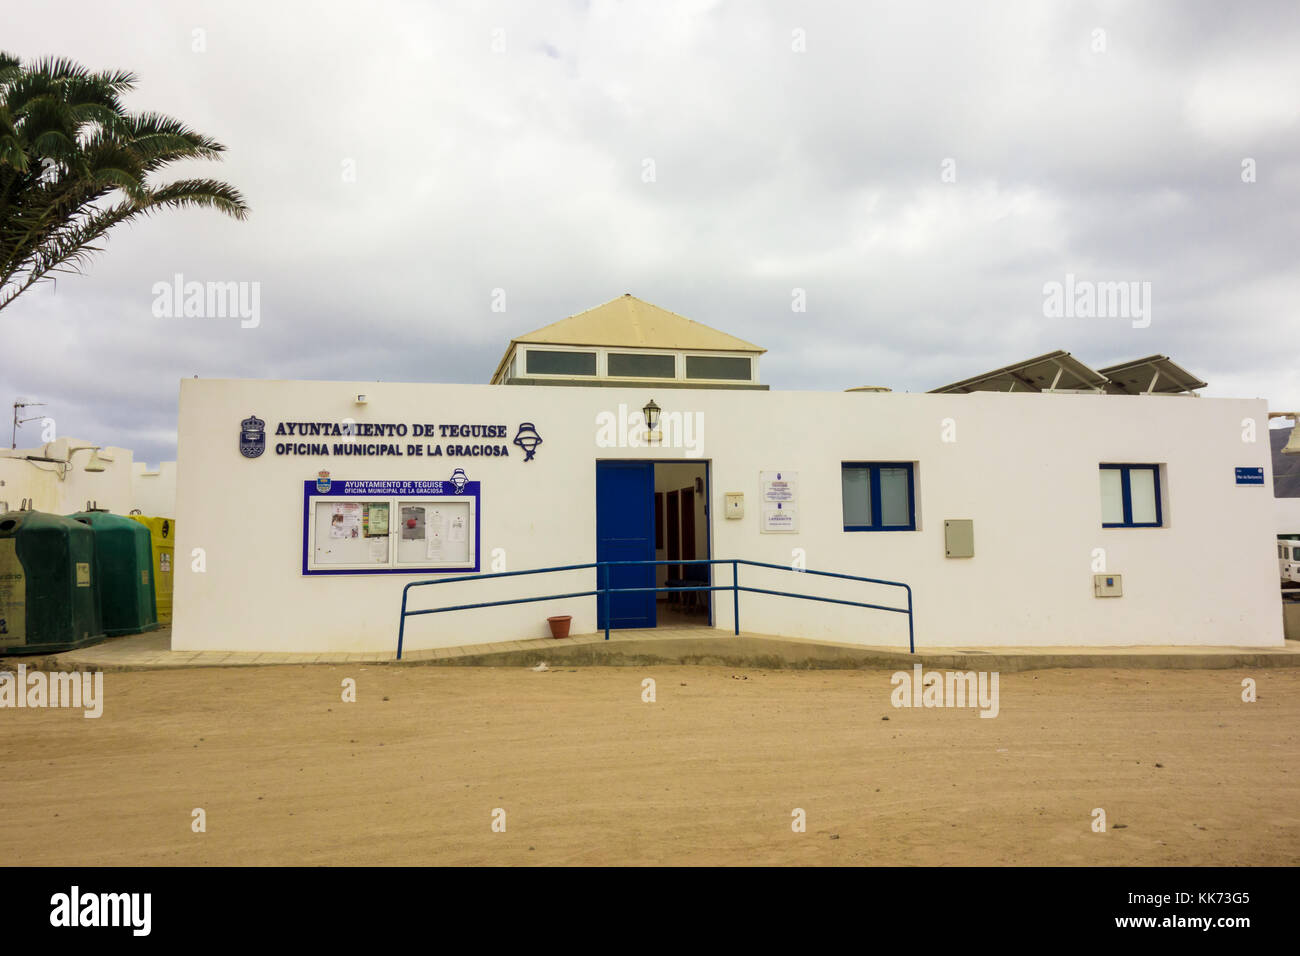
(350, 438)
(778, 502)
(1250, 476)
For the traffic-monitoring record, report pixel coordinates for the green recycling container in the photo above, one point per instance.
(124, 558)
(49, 588)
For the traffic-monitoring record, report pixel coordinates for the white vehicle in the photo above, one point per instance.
(1288, 559)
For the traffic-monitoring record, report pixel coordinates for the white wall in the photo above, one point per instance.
(1287, 511)
(1023, 467)
(154, 489)
(64, 489)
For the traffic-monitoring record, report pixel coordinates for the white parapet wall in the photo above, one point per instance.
(53, 477)
(1287, 511)
(1023, 468)
(154, 489)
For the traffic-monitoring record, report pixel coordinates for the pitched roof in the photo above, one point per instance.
(628, 322)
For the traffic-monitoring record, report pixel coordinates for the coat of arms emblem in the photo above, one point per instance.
(252, 437)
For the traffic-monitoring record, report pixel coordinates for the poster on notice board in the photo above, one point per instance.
(412, 523)
(346, 520)
(375, 520)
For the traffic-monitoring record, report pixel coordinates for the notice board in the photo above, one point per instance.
(390, 527)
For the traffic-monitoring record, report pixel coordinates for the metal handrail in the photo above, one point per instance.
(604, 592)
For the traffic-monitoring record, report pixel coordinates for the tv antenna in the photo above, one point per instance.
(18, 404)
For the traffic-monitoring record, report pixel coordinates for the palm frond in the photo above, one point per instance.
(67, 147)
(200, 193)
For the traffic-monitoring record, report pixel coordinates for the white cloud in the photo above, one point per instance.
(522, 170)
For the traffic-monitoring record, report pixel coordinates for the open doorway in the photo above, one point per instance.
(647, 511)
(682, 534)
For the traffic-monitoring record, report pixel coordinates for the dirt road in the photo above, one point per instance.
(286, 772)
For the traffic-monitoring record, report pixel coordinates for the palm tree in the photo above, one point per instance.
(74, 164)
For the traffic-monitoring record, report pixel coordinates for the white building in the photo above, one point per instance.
(1097, 516)
(62, 476)
(154, 489)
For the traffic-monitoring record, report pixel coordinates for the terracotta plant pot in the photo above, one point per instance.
(560, 625)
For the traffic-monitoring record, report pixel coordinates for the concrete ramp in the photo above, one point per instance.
(687, 645)
(715, 647)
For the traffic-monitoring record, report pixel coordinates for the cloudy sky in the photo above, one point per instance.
(919, 170)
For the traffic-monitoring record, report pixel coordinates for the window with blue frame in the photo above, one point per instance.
(878, 495)
(1130, 496)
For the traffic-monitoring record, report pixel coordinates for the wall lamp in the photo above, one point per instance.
(96, 462)
(651, 412)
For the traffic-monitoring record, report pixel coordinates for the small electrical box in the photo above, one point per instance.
(1107, 585)
(734, 504)
(959, 538)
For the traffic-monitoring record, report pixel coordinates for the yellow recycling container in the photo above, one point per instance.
(162, 535)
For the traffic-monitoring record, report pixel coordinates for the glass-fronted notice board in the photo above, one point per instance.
(394, 527)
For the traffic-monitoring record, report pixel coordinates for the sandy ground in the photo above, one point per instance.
(709, 773)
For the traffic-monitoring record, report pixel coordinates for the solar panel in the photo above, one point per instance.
(1058, 371)
(1153, 375)
(1286, 468)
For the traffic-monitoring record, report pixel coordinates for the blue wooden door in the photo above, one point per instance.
(625, 532)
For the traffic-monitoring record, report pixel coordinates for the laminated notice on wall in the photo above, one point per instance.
(412, 523)
(456, 529)
(779, 519)
(778, 486)
(778, 501)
